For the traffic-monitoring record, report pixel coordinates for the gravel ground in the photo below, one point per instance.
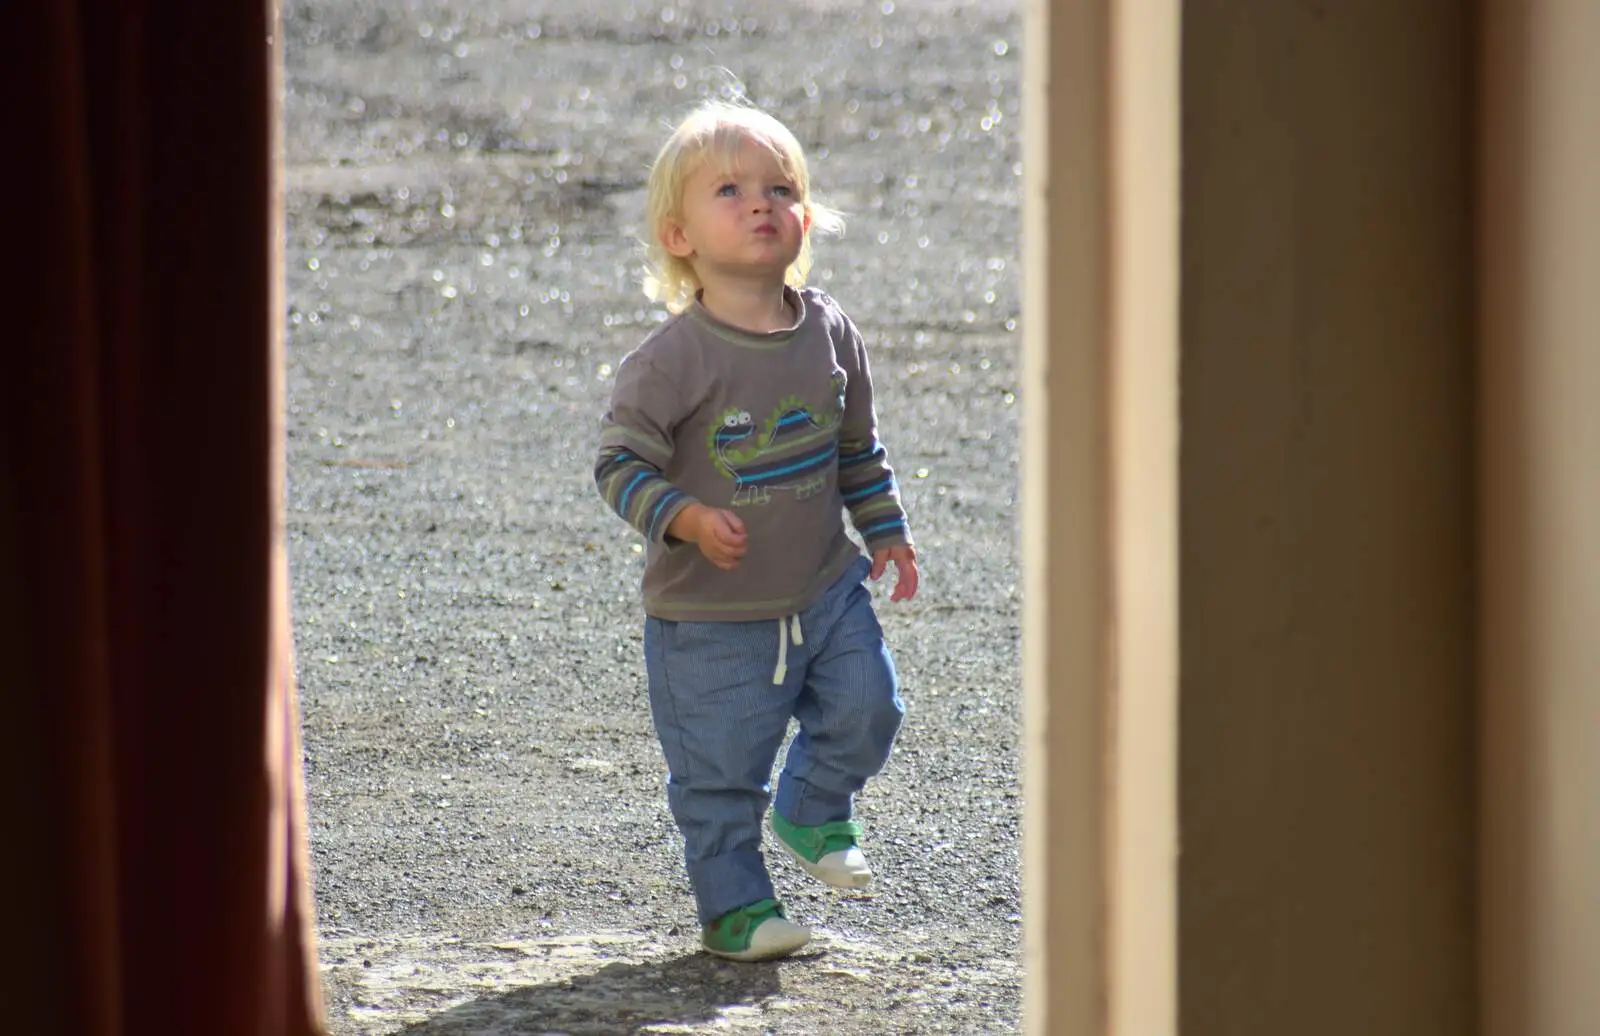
(491, 842)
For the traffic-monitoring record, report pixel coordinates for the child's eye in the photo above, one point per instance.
(727, 190)
(783, 190)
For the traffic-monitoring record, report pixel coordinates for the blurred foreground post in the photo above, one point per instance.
(155, 853)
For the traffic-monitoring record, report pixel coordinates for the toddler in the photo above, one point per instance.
(738, 433)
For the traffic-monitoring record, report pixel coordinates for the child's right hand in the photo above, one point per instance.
(718, 533)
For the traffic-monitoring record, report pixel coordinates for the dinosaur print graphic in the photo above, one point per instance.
(793, 451)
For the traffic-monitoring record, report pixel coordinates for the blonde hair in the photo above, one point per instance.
(713, 132)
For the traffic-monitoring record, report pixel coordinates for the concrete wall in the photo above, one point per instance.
(1541, 501)
(1327, 780)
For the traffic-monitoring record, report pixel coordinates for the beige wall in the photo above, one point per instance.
(1066, 866)
(1326, 520)
(1100, 524)
(1541, 501)
(1388, 498)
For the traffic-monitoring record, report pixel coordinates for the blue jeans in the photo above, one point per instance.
(721, 720)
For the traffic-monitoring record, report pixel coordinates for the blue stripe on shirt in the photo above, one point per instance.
(660, 509)
(891, 523)
(871, 450)
(866, 491)
(622, 501)
(813, 461)
(612, 461)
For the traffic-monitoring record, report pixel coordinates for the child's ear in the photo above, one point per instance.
(675, 241)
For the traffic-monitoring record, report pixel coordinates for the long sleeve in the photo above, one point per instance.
(866, 481)
(635, 446)
(638, 492)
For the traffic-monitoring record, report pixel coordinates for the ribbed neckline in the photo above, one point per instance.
(751, 339)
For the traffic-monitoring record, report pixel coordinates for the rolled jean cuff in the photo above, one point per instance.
(729, 881)
(800, 802)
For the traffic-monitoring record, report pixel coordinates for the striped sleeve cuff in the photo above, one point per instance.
(638, 492)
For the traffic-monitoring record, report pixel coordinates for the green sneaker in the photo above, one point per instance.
(827, 852)
(756, 931)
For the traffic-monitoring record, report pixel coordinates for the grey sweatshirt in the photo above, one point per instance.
(777, 427)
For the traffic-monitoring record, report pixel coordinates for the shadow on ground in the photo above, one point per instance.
(677, 994)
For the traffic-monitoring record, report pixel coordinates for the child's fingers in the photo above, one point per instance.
(723, 553)
(729, 528)
(880, 561)
(906, 582)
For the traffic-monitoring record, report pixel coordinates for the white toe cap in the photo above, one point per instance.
(777, 936)
(847, 868)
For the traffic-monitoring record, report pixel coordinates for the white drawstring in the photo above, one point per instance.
(787, 629)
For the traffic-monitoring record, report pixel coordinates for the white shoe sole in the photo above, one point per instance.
(774, 937)
(838, 877)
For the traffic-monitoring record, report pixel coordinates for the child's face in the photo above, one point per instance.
(741, 220)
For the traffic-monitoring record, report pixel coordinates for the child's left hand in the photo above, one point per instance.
(904, 557)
